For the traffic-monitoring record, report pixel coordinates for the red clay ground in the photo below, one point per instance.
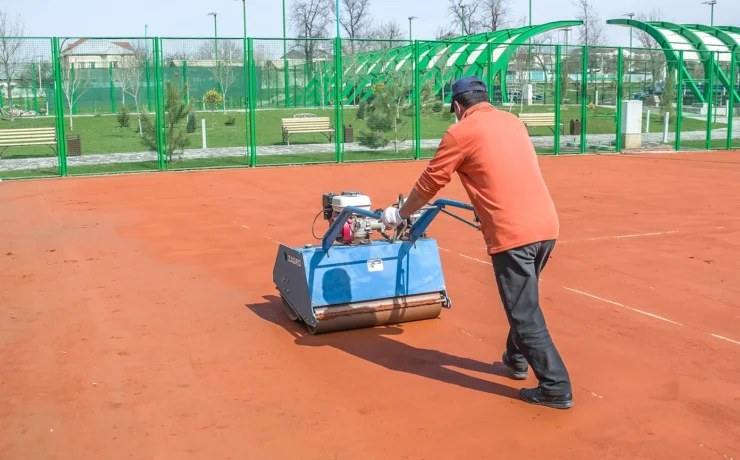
(138, 320)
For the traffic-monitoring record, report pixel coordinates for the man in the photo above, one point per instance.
(496, 161)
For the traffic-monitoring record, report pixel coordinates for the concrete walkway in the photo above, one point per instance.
(542, 142)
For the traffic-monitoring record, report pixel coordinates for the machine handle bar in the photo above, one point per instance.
(416, 230)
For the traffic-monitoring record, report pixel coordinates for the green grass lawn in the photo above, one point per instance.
(102, 134)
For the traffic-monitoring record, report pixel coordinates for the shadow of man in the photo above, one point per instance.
(376, 346)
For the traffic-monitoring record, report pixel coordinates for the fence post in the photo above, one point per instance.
(620, 96)
(186, 95)
(666, 123)
(679, 102)
(147, 71)
(731, 100)
(59, 104)
(489, 74)
(112, 88)
(558, 97)
(34, 83)
(338, 112)
(159, 112)
(245, 63)
(252, 91)
(417, 100)
(710, 100)
(584, 97)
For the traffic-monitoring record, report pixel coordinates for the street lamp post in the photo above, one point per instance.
(337, 7)
(711, 3)
(411, 37)
(462, 20)
(215, 45)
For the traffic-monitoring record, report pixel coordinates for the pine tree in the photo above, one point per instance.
(176, 112)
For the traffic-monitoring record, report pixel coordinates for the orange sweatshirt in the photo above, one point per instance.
(491, 152)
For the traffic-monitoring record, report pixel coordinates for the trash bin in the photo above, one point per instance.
(349, 134)
(576, 127)
(74, 146)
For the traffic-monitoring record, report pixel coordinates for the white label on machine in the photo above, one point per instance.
(375, 265)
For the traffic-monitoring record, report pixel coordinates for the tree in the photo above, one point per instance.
(655, 56)
(310, 19)
(467, 14)
(128, 75)
(389, 31)
(213, 99)
(224, 73)
(494, 15)
(354, 19)
(592, 31)
(389, 108)
(176, 113)
(75, 83)
(11, 52)
(543, 57)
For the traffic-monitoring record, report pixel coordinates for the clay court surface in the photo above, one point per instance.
(138, 320)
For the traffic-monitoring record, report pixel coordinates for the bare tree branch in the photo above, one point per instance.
(592, 31)
(11, 52)
(354, 18)
(128, 75)
(469, 11)
(389, 31)
(310, 19)
(494, 15)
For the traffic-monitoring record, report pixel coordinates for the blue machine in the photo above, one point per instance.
(353, 281)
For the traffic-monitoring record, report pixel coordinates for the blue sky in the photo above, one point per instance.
(188, 17)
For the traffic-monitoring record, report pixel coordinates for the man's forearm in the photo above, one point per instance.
(413, 203)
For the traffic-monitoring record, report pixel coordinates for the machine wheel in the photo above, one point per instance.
(289, 310)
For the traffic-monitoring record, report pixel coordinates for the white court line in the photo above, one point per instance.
(638, 235)
(725, 338)
(246, 227)
(274, 241)
(446, 250)
(477, 260)
(623, 306)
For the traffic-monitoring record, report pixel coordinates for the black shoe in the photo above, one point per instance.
(538, 397)
(515, 374)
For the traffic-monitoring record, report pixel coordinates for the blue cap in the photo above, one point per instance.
(464, 85)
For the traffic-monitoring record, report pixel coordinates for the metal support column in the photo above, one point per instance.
(620, 96)
(679, 100)
(252, 91)
(558, 97)
(112, 88)
(710, 100)
(584, 97)
(338, 115)
(417, 101)
(59, 105)
(731, 99)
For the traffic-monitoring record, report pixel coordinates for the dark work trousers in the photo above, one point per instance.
(517, 275)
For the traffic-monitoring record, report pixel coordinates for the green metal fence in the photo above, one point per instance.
(129, 104)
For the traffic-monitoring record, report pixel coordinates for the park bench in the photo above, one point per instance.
(27, 137)
(306, 123)
(532, 120)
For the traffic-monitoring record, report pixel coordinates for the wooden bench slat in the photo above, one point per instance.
(28, 143)
(26, 136)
